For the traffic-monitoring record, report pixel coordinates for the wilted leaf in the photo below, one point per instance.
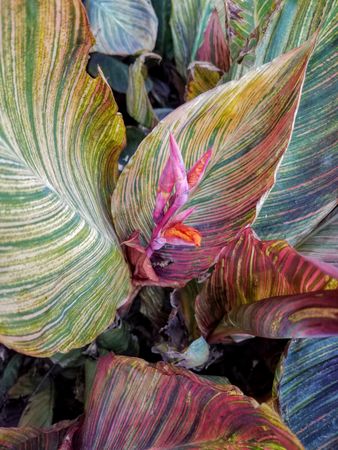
(122, 28)
(248, 126)
(62, 272)
(254, 289)
(202, 76)
(307, 391)
(138, 103)
(39, 410)
(137, 405)
(307, 181)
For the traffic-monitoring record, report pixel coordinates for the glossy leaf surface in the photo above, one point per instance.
(251, 271)
(248, 126)
(62, 272)
(307, 391)
(307, 181)
(138, 405)
(122, 28)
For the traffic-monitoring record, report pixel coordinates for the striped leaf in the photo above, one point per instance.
(248, 125)
(202, 76)
(137, 405)
(322, 243)
(62, 272)
(31, 438)
(138, 103)
(122, 28)
(307, 181)
(254, 289)
(310, 411)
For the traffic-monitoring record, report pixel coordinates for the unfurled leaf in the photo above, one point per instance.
(322, 243)
(306, 389)
(32, 438)
(215, 47)
(202, 76)
(39, 410)
(130, 398)
(254, 289)
(62, 272)
(138, 103)
(248, 126)
(307, 181)
(122, 28)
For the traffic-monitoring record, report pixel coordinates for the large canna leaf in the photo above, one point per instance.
(322, 243)
(137, 405)
(236, 298)
(306, 389)
(122, 28)
(248, 125)
(307, 181)
(62, 272)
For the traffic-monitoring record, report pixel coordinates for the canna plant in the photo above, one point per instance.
(230, 200)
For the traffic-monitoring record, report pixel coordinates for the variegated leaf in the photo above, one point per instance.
(237, 297)
(62, 272)
(306, 188)
(122, 28)
(248, 126)
(202, 76)
(322, 243)
(134, 404)
(306, 390)
(138, 103)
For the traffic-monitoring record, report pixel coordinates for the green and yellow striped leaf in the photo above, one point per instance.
(306, 390)
(255, 289)
(138, 103)
(202, 76)
(122, 27)
(136, 405)
(307, 181)
(62, 272)
(248, 125)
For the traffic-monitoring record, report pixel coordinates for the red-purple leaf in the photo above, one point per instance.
(136, 405)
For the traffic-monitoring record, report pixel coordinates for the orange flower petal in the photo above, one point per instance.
(179, 234)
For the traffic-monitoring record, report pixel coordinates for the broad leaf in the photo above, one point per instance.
(62, 272)
(306, 388)
(307, 181)
(322, 243)
(114, 70)
(248, 126)
(137, 405)
(250, 271)
(122, 28)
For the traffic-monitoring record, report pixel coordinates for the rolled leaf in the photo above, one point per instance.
(137, 405)
(62, 272)
(122, 28)
(248, 126)
(138, 103)
(306, 389)
(268, 275)
(307, 181)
